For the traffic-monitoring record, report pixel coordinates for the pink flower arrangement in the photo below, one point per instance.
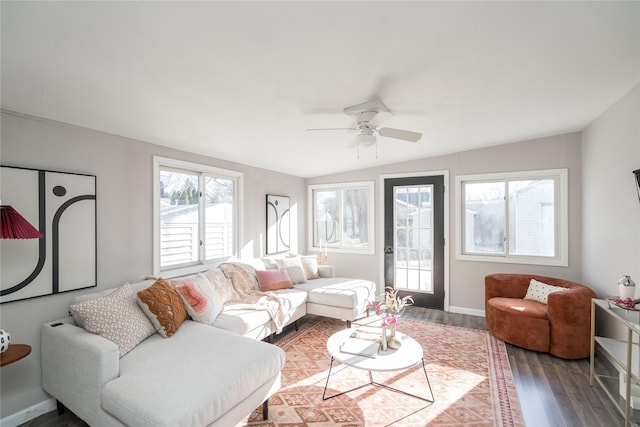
(392, 308)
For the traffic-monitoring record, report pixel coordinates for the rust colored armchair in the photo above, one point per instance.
(560, 327)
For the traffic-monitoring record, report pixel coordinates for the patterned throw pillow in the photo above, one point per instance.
(221, 286)
(294, 269)
(163, 306)
(539, 291)
(201, 302)
(271, 280)
(116, 317)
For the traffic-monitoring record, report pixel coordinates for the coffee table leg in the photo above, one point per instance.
(424, 368)
(372, 382)
(324, 393)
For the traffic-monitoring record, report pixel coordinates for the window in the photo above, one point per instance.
(341, 217)
(518, 217)
(196, 215)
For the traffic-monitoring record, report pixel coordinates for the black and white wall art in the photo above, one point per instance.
(62, 206)
(277, 224)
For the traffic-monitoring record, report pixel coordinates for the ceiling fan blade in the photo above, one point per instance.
(313, 130)
(404, 135)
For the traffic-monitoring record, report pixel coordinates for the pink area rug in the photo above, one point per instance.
(468, 371)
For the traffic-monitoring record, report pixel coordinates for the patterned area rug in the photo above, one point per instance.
(468, 371)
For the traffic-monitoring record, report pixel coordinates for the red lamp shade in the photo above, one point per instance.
(14, 226)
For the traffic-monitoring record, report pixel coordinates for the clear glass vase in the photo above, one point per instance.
(383, 344)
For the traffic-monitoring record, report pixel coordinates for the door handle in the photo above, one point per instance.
(388, 250)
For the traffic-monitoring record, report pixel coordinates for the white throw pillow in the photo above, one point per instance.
(539, 291)
(200, 300)
(294, 268)
(116, 317)
(310, 266)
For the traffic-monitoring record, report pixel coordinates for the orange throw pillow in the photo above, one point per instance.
(163, 306)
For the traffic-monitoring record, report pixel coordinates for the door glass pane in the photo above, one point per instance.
(179, 214)
(484, 217)
(531, 217)
(414, 237)
(219, 218)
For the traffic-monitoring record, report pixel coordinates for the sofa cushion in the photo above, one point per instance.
(339, 292)
(243, 320)
(538, 291)
(116, 317)
(163, 306)
(199, 298)
(271, 280)
(190, 380)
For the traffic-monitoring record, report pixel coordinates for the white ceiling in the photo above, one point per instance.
(242, 81)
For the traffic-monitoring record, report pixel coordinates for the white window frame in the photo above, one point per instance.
(561, 215)
(202, 264)
(370, 186)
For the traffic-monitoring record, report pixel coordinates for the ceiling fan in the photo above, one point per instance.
(367, 117)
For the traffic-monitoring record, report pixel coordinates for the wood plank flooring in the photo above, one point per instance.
(552, 392)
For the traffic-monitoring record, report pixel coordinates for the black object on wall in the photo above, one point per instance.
(637, 175)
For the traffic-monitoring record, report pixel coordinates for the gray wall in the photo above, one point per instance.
(466, 287)
(124, 199)
(611, 209)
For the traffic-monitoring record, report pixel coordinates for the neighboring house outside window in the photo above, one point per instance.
(341, 217)
(518, 217)
(195, 215)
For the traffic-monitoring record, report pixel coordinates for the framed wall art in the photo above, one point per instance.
(277, 224)
(62, 207)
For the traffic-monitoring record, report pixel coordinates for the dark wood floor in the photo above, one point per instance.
(551, 391)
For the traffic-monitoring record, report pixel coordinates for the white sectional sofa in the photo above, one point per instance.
(203, 374)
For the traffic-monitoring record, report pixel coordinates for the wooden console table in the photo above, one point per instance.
(14, 353)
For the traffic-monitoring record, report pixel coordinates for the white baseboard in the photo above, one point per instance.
(463, 310)
(27, 414)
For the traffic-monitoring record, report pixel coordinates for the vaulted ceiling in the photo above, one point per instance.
(243, 81)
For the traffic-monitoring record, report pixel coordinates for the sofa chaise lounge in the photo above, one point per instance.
(204, 374)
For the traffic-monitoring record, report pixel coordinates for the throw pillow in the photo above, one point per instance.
(201, 302)
(294, 269)
(270, 280)
(163, 306)
(242, 277)
(310, 266)
(116, 317)
(270, 263)
(539, 291)
(221, 286)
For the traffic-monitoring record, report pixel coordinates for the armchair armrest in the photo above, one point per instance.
(571, 306)
(76, 364)
(569, 314)
(326, 271)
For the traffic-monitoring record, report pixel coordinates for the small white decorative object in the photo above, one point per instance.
(626, 287)
(5, 340)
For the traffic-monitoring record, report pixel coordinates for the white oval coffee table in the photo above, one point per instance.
(407, 356)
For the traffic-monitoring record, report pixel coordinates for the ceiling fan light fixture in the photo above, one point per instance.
(366, 139)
